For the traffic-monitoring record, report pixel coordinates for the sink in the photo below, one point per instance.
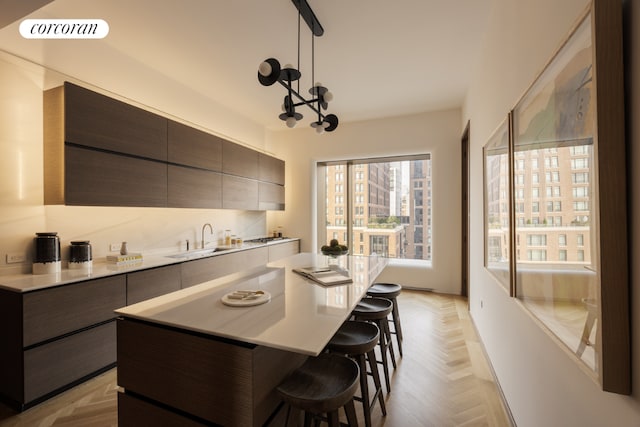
(198, 253)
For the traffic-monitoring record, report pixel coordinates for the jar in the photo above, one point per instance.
(227, 237)
(47, 247)
(80, 251)
(80, 255)
(47, 253)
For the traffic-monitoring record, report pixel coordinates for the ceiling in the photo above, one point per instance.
(380, 58)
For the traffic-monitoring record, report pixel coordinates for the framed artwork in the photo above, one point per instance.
(558, 238)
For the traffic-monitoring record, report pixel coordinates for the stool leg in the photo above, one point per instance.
(387, 333)
(364, 389)
(383, 353)
(307, 419)
(395, 314)
(373, 365)
(350, 410)
(332, 418)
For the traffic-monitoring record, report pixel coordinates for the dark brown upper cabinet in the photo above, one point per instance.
(192, 147)
(239, 193)
(270, 169)
(239, 161)
(99, 151)
(97, 121)
(194, 188)
(96, 178)
(102, 152)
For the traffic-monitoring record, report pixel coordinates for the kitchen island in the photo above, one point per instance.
(189, 358)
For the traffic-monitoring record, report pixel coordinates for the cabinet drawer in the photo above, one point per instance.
(202, 270)
(61, 362)
(97, 121)
(53, 312)
(143, 285)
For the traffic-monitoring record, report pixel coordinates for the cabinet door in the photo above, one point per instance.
(270, 169)
(203, 270)
(94, 178)
(193, 147)
(239, 193)
(146, 284)
(193, 188)
(61, 362)
(239, 161)
(283, 250)
(97, 121)
(270, 196)
(52, 312)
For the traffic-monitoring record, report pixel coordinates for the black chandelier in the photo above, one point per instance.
(270, 72)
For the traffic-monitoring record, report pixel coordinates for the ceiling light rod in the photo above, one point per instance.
(270, 72)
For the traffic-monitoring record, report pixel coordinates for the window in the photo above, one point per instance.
(562, 255)
(536, 255)
(580, 239)
(580, 206)
(386, 210)
(580, 192)
(536, 239)
(580, 178)
(562, 240)
(580, 163)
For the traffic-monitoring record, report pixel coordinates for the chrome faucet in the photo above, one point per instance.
(203, 227)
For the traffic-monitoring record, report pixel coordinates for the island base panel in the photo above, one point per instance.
(218, 381)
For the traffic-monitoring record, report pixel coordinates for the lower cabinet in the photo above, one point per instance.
(283, 250)
(64, 361)
(205, 269)
(146, 284)
(57, 337)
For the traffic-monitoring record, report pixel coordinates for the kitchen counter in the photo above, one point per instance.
(301, 317)
(32, 282)
(186, 356)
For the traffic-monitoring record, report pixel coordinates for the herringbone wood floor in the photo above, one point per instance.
(443, 379)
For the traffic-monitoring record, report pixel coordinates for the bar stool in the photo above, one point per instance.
(358, 340)
(390, 291)
(321, 386)
(376, 310)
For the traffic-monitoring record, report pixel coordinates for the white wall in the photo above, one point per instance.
(22, 212)
(543, 385)
(437, 133)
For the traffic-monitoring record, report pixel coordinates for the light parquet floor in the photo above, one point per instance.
(442, 380)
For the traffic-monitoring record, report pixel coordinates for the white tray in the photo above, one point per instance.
(247, 302)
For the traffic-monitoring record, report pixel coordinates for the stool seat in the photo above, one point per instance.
(322, 385)
(384, 290)
(373, 308)
(354, 337)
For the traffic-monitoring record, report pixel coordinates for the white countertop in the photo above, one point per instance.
(100, 268)
(302, 316)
